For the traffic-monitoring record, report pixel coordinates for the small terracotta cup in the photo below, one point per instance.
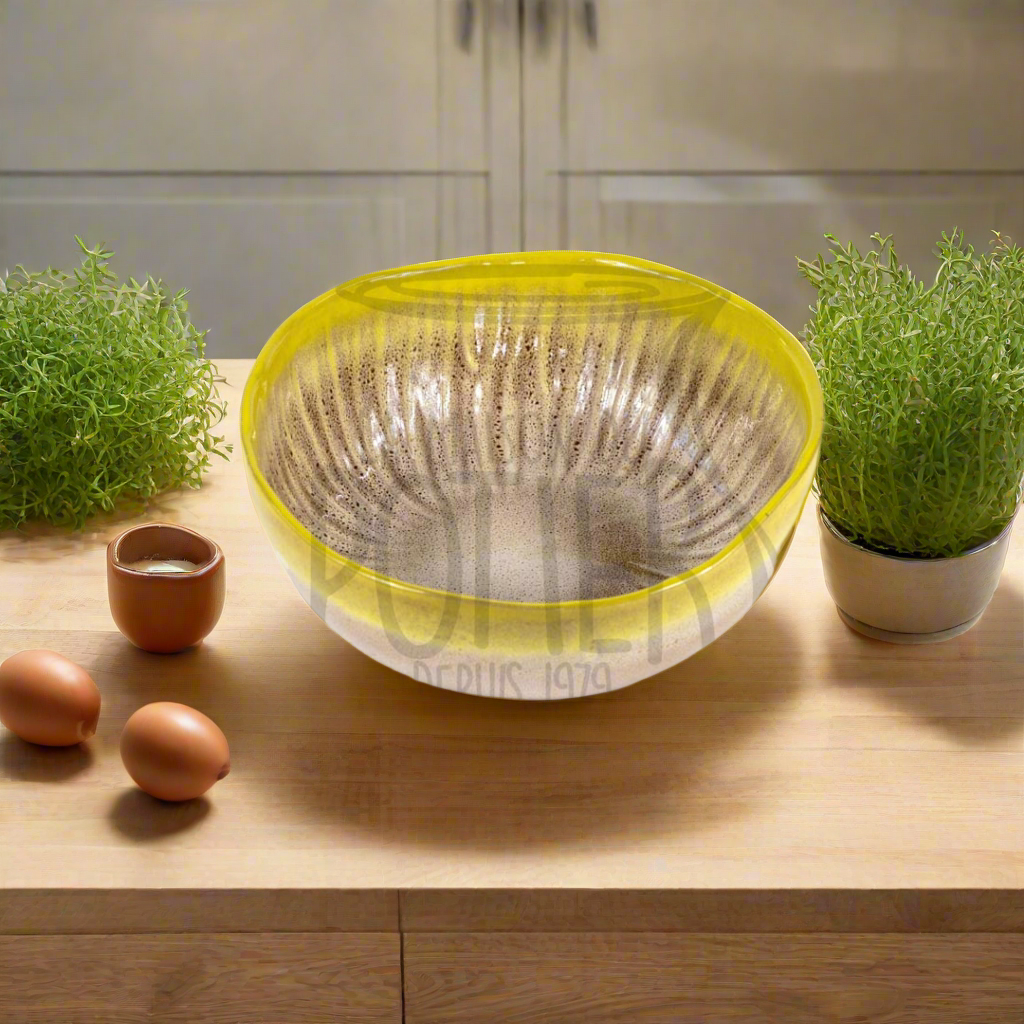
(165, 612)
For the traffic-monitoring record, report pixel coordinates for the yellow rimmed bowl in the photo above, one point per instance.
(531, 475)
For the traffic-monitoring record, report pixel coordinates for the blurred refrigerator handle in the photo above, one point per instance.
(466, 19)
(589, 13)
(540, 15)
(542, 21)
(543, 12)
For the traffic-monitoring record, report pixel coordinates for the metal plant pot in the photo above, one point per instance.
(909, 600)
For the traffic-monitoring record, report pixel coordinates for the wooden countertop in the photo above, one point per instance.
(792, 776)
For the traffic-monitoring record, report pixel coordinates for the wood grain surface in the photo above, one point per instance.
(791, 754)
(210, 979)
(609, 978)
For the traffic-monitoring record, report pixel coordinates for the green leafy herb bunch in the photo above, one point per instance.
(105, 396)
(923, 445)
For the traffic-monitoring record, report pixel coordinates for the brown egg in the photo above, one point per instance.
(46, 699)
(173, 751)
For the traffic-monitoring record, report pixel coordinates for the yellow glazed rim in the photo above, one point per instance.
(304, 325)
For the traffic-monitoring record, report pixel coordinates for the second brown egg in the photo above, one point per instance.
(174, 752)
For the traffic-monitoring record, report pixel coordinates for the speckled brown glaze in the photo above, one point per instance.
(384, 439)
(165, 612)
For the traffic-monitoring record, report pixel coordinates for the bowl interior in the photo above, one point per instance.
(564, 427)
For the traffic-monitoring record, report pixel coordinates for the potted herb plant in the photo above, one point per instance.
(922, 454)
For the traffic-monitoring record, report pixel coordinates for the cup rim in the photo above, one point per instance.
(206, 569)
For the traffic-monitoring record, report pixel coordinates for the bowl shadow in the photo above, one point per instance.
(28, 762)
(142, 818)
(970, 688)
(431, 767)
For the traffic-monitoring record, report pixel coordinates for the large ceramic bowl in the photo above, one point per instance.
(531, 475)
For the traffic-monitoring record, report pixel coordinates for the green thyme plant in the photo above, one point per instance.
(105, 396)
(923, 446)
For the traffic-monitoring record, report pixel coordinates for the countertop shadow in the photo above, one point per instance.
(426, 766)
(204, 676)
(28, 762)
(971, 687)
(142, 818)
(37, 541)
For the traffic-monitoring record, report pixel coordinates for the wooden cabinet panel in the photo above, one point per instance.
(325, 85)
(744, 230)
(724, 138)
(792, 85)
(251, 249)
(200, 979)
(605, 978)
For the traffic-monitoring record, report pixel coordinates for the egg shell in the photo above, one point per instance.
(47, 699)
(174, 752)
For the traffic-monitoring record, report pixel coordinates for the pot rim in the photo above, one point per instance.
(834, 530)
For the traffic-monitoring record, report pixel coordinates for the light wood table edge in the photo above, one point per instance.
(145, 911)
(712, 910)
(177, 911)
